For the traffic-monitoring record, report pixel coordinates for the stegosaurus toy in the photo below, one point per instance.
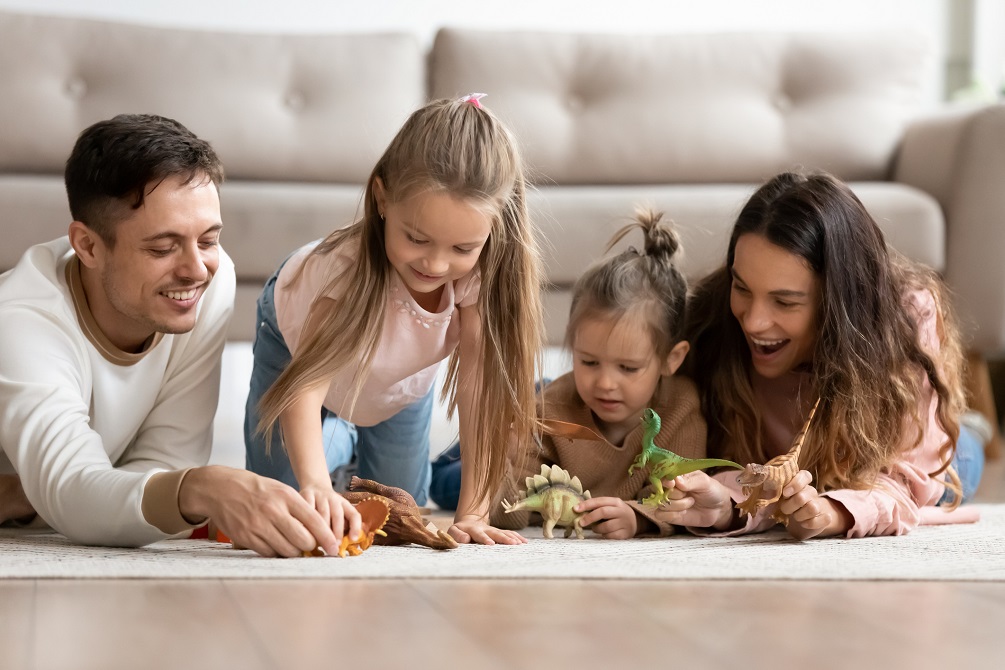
(552, 494)
(666, 464)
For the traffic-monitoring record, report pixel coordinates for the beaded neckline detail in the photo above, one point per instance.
(409, 307)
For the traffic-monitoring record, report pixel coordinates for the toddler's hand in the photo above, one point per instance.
(699, 501)
(614, 518)
(338, 513)
(476, 529)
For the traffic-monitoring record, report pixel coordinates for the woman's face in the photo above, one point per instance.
(775, 297)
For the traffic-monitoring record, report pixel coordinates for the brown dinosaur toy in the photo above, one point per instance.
(776, 473)
(405, 524)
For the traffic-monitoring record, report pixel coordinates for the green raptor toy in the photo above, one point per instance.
(666, 464)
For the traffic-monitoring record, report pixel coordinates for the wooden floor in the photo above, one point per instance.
(444, 624)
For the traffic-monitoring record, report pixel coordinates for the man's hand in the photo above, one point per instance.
(809, 513)
(699, 501)
(262, 514)
(13, 503)
(614, 518)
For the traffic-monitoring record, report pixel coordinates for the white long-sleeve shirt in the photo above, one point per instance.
(85, 425)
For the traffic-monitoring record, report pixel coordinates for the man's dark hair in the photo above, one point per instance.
(117, 162)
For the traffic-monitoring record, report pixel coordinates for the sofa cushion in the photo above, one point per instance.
(638, 109)
(576, 223)
(279, 107)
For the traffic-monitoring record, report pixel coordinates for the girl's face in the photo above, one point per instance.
(617, 370)
(775, 297)
(432, 238)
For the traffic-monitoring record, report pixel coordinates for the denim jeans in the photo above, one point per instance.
(968, 463)
(394, 452)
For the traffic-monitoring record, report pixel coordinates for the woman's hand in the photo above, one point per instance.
(474, 528)
(809, 514)
(699, 501)
(614, 518)
(337, 512)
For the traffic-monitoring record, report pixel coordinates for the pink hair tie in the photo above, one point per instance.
(474, 99)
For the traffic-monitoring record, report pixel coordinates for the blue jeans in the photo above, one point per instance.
(394, 452)
(968, 463)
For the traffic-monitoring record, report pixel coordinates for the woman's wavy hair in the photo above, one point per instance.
(868, 365)
(460, 148)
(643, 283)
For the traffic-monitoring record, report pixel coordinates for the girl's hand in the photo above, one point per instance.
(699, 501)
(476, 529)
(809, 513)
(337, 512)
(614, 518)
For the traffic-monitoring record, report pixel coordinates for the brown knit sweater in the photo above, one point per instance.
(602, 467)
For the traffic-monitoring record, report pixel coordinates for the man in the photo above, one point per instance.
(110, 351)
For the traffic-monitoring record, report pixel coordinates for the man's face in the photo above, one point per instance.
(165, 255)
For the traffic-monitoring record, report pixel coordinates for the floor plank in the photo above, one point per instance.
(17, 603)
(108, 624)
(354, 623)
(552, 623)
(832, 624)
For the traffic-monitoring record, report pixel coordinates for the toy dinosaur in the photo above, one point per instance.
(776, 473)
(552, 494)
(374, 512)
(405, 524)
(666, 464)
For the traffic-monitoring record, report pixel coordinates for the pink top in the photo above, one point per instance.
(412, 345)
(897, 502)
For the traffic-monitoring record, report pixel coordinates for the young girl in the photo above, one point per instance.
(625, 334)
(811, 304)
(352, 329)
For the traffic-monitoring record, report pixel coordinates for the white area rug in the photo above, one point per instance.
(962, 552)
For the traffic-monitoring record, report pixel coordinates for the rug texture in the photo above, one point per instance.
(974, 552)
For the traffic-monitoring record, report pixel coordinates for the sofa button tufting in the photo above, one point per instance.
(575, 103)
(296, 101)
(783, 103)
(76, 87)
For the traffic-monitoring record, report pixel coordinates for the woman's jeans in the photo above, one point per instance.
(394, 452)
(968, 463)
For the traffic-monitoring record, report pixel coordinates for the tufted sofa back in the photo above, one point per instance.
(303, 108)
(649, 109)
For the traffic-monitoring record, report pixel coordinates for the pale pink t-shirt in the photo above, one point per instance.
(412, 345)
(904, 495)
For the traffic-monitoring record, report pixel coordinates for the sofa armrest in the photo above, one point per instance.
(959, 158)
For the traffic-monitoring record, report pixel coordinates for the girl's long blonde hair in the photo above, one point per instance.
(868, 366)
(460, 148)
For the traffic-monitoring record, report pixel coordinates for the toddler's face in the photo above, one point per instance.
(616, 371)
(432, 238)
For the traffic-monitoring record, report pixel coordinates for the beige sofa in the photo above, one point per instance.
(686, 123)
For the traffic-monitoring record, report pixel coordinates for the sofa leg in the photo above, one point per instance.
(980, 397)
